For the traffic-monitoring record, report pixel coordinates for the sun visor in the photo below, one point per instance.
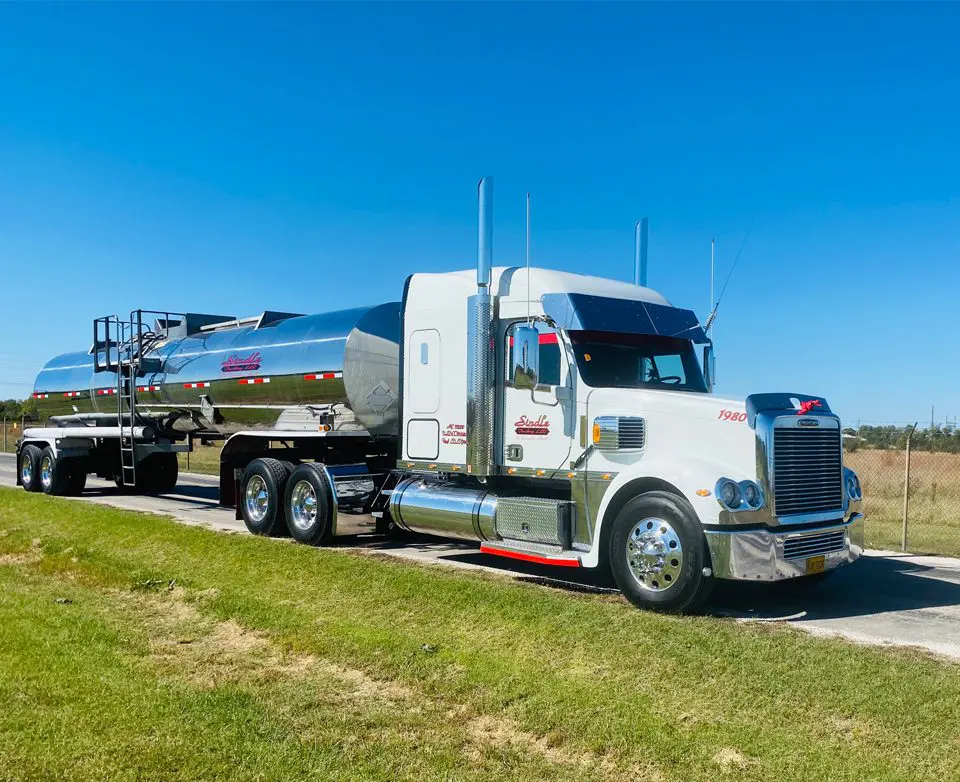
(583, 312)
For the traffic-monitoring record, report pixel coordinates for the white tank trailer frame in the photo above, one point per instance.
(555, 418)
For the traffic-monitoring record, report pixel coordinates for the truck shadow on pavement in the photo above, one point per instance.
(872, 585)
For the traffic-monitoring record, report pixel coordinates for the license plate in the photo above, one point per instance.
(815, 565)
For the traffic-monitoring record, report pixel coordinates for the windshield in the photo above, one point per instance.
(608, 359)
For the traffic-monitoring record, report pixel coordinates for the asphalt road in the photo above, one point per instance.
(885, 598)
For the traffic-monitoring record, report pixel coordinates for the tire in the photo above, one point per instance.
(29, 466)
(262, 511)
(54, 473)
(158, 473)
(76, 476)
(308, 503)
(661, 534)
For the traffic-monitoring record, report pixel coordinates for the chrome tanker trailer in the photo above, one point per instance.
(555, 418)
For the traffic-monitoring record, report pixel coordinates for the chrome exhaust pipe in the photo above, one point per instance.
(481, 352)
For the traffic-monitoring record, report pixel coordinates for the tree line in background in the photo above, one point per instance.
(15, 409)
(944, 438)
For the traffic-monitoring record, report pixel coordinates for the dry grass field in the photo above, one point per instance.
(934, 510)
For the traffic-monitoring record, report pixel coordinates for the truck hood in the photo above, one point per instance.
(681, 425)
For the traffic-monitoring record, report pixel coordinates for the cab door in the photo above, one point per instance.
(535, 423)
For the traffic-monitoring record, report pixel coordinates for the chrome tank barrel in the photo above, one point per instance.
(280, 374)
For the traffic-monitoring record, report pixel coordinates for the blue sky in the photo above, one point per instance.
(233, 158)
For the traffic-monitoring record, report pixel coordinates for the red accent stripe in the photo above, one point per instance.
(545, 339)
(524, 557)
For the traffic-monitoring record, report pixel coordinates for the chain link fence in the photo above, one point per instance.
(10, 431)
(911, 486)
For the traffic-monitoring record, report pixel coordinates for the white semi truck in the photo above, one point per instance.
(555, 418)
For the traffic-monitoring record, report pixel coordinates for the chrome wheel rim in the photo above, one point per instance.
(303, 505)
(26, 470)
(257, 499)
(654, 554)
(46, 472)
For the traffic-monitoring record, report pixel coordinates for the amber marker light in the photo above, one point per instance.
(596, 433)
(703, 492)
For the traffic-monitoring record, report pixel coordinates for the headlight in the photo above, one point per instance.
(751, 494)
(734, 496)
(854, 492)
(729, 494)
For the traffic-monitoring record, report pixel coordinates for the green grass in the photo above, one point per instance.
(132, 647)
(203, 459)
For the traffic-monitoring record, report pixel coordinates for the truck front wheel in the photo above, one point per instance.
(658, 554)
(261, 499)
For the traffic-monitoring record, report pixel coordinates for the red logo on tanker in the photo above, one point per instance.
(242, 363)
(806, 407)
(532, 426)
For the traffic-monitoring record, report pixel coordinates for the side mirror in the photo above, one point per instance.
(526, 357)
(709, 366)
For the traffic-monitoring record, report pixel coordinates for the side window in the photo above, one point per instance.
(550, 363)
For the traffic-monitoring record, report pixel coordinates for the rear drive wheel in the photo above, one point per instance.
(309, 505)
(261, 498)
(658, 553)
(30, 467)
(54, 473)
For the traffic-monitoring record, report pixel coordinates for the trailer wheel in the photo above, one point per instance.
(658, 554)
(261, 499)
(309, 505)
(54, 473)
(160, 472)
(76, 477)
(30, 467)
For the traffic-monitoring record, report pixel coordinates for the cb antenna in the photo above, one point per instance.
(713, 313)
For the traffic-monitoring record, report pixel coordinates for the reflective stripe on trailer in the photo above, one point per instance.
(41, 396)
(196, 385)
(141, 389)
(251, 381)
(106, 391)
(73, 393)
(323, 376)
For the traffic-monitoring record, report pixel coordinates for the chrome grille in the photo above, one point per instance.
(801, 547)
(631, 432)
(807, 470)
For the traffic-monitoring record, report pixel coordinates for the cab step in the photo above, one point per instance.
(531, 552)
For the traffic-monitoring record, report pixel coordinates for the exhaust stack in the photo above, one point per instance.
(481, 351)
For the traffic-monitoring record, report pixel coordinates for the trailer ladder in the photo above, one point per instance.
(127, 411)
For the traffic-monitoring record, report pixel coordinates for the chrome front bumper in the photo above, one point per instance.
(758, 555)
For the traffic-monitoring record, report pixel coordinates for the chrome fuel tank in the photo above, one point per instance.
(445, 509)
(253, 376)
